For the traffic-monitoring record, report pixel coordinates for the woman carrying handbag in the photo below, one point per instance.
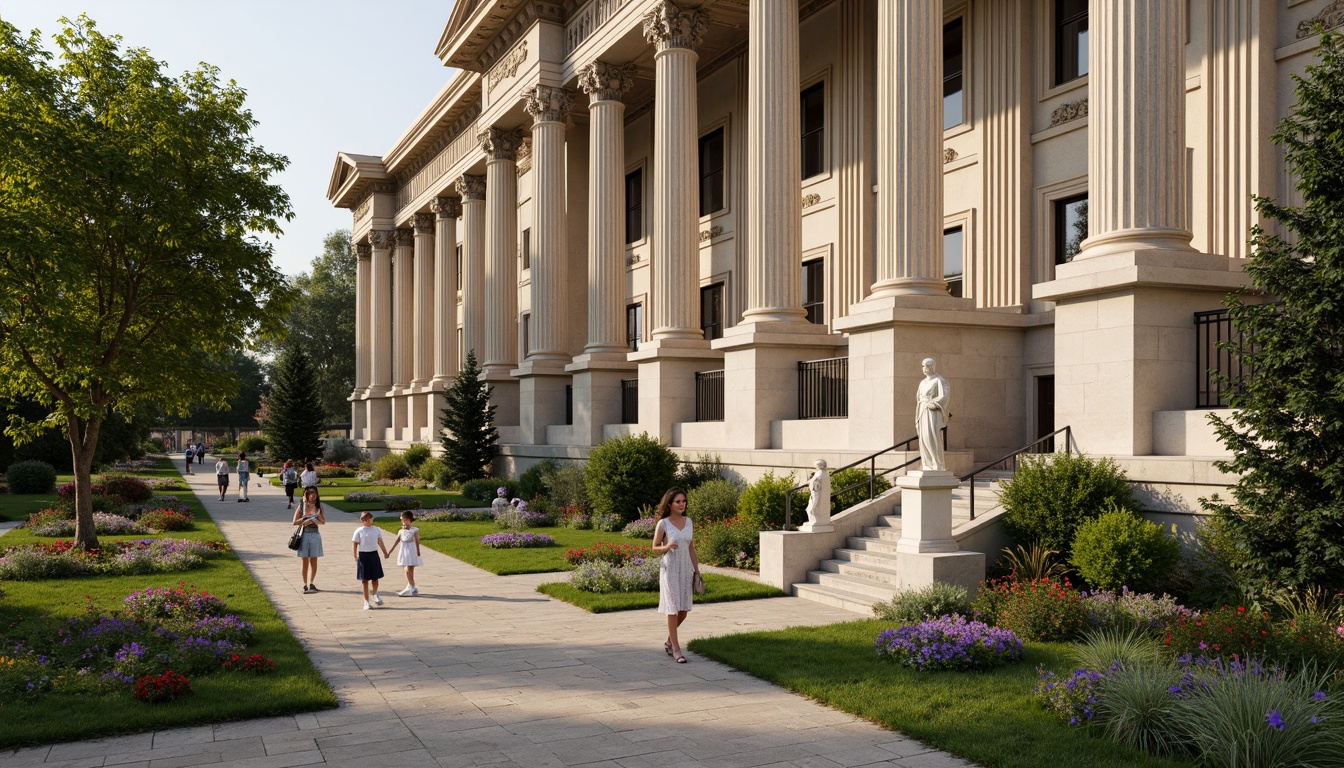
(678, 569)
(308, 516)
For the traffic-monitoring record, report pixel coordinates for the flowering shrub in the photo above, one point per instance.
(641, 528)
(1225, 631)
(1036, 609)
(155, 689)
(123, 558)
(412, 483)
(949, 642)
(129, 489)
(1127, 609)
(46, 518)
(615, 554)
(580, 521)
(180, 602)
(172, 503)
(400, 503)
(165, 484)
(367, 497)
(516, 540)
(1074, 699)
(608, 522)
(452, 512)
(161, 520)
(103, 523)
(514, 518)
(255, 664)
(727, 542)
(638, 575)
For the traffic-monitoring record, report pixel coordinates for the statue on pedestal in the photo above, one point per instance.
(930, 417)
(819, 500)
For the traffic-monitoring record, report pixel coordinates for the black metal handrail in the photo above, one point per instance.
(629, 401)
(709, 395)
(873, 474)
(1046, 443)
(823, 388)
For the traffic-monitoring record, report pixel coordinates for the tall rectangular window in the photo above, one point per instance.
(954, 67)
(711, 311)
(458, 263)
(525, 251)
(1070, 40)
(712, 193)
(634, 325)
(634, 206)
(954, 257)
(814, 291)
(814, 130)
(526, 333)
(1070, 227)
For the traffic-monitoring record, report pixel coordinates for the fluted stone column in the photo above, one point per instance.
(674, 32)
(363, 353)
(380, 286)
(909, 149)
(472, 191)
(501, 270)
(549, 106)
(1136, 186)
(402, 327)
(422, 322)
(447, 210)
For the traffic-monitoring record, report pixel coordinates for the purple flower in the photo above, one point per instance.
(1318, 696)
(1274, 720)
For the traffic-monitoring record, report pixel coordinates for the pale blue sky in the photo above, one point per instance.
(321, 75)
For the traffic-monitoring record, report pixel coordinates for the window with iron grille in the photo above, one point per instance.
(711, 311)
(634, 206)
(634, 324)
(814, 130)
(814, 291)
(712, 194)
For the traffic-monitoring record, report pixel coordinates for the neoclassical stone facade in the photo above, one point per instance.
(741, 227)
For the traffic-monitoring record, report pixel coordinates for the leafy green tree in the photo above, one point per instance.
(131, 204)
(322, 323)
(239, 411)
(295, 420)
(469, 435)
(1287, 508)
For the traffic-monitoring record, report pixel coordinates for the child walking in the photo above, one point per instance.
(368, 541)
(408, 538)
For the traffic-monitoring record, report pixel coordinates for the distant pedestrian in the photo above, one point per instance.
(290, 479)
(222, 476)
(244, 472)
(368, 542)
(309, 515)
(408, 538)
(309, 477)
(200, 452)
(191, 454)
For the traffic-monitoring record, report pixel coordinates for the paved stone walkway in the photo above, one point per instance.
(481, 670)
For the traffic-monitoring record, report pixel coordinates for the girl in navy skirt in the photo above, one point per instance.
(368, 541)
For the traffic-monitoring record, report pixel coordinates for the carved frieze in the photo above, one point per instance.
(811, 199)
(547, 103)
(668, 25)
(363, 251)
(711, 233)
(446, 207)
(471, 187)
(1071, 111)
(507, 66)
(362, 209)
(606, 82)
(525, 156)
(499, 144)
(949, 154)
(424, 223)
(1331, 16)
(380, 239)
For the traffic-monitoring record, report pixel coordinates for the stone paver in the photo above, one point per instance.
(481, 670)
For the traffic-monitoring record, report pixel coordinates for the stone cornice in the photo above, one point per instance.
(606, 82)
(471, 187)
(499, 144)
(668, 25)
(424, 223)
(447, 207)
(547, 103)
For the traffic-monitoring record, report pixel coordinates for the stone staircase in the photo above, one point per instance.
(863, 572)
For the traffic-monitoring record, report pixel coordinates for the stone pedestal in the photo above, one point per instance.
(667, 369)
(760, 375)
(597, 394)
(926, 512)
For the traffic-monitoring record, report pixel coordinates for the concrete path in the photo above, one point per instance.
(481, 670)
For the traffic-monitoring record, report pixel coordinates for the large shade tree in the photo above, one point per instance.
(132, 206)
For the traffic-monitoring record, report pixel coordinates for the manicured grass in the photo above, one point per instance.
(989, 718)
(718, 589)
(18, 506)
(462, 540)
(295, 686)
(334, 489)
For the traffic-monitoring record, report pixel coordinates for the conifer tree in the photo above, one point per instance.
(295, 420)
(1286, 515)
(469, 434)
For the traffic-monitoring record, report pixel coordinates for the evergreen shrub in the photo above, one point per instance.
(416, 455)
(532, 483)
(713, 500)
(1120, 549)
(391, 466)
(430, 469)
(625, 473)
(1050, 496)
(252, 444)
(761, 505)
(567, 487)
(31, 477)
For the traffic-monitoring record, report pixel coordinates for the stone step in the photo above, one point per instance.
(883, 532)
(836, 598)
(859, 585)
(867, 557)
(875, 573)
(870, 544)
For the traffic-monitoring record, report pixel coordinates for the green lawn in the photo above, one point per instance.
(19, 506)
(334, 489)
(462, 540)
(718, 589)
(295, 686)
(989, 718)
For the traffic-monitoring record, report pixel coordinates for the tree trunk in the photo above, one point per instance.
(83, 445)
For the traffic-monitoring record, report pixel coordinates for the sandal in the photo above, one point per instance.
(681, 659)
(667, 647)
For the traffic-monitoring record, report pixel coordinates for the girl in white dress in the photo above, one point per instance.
(674, 538)
(408, 538)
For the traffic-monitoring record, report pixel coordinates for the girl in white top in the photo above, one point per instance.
(674, 539)
(408, 538)
(308, 479)
(222, 477)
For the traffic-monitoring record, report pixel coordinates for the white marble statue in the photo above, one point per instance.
(930, 417)
(819, 500)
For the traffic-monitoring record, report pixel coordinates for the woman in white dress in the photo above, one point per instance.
(674, 538)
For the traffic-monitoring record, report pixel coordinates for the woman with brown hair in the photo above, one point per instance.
(674, 538)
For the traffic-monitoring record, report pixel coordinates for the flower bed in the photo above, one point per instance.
(949, 642)
(172, 503)
(161, 520)
(515, 519)
(124, 558)
(638, 575)
(641, 528)
(454, 513)
(165, 484)
(1137, 610)
(516, 540)
(103, 524)
(1036, 609)
(616, 554)
(367, 497)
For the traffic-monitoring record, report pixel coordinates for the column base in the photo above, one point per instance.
(504, 396)
(667, 369)
(541, 398)
(597, 395)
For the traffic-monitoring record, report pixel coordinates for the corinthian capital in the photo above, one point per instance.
(606, 82)
(424, 223)
(471, 187)
(380, 239)
(405, 237)
(447, 207)
(363, 251)
(547, 103)
(669, 25)
(499, 144)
